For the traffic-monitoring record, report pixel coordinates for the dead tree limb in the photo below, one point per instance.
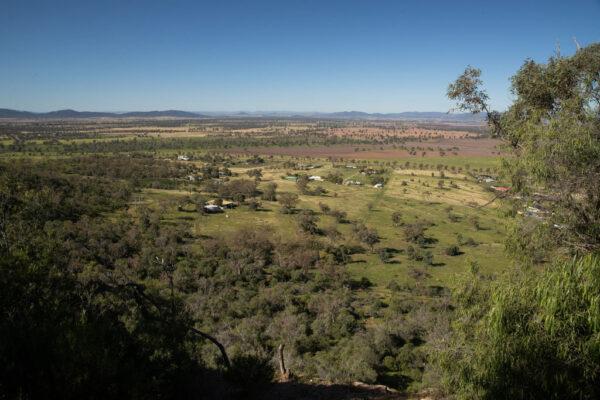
(496, 197)
(216, 343)
(140, 293)
(285, 373)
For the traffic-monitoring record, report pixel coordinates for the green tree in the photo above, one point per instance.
(269, 193)
(302, 184)
(335, 177)
(288, 202)
(526, 336)
(553, 129)
(255, 173)
(535, 334)
(308, 222)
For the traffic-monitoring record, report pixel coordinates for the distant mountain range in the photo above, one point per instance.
(359, 115)
(72, 114)
(345, 115)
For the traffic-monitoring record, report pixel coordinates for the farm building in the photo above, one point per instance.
(378, 185)
(315, 178)
(351, 182)
(485, 178)
(308, 166)
(229, 204)
(500, 188)
(213, 208)
(223, 203)
(183, 158)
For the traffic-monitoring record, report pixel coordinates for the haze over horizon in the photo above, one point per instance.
(266, 55)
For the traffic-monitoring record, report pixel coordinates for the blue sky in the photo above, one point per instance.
(301, 55)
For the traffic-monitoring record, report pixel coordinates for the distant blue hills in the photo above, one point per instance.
(343, 115)
(72, 114)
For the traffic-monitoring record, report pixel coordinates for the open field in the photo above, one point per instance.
(411, 192)
(426, 148)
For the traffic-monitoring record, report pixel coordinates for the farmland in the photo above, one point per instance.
(389, 217)
(412, 193)
(414, 166)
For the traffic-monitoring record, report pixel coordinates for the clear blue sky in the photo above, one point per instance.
(301, 55)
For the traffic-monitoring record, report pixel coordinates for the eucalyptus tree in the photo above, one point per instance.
(553, 131)
(535, 333)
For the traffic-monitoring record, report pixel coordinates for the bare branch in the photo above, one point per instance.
(216, 343)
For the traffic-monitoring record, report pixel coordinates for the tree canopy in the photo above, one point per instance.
(553, 130)
(534, 333)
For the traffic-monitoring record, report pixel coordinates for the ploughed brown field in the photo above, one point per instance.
(431, 147)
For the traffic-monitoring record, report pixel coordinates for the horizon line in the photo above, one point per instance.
(450, 112)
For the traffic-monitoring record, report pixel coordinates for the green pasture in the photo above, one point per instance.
(418, 199)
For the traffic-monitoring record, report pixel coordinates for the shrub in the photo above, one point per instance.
(308, 222)
(384, 255)
(250, 373)
(288, 201)
(453, 250)
(415, 233)
(428, 257)
(338, 254)
(325, 209)
(416, 254)
(397, 218)
(362, 283)
(270, 192)
(393, 286)
(254, 205)
(335, 177)
(454, 217)
(340, 216)
(474, 221)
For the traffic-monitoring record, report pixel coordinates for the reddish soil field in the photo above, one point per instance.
(466, 147)
(402, 131)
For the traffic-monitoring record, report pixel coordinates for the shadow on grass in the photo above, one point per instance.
(263, 210)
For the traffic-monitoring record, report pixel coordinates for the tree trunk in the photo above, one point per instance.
(285, 373)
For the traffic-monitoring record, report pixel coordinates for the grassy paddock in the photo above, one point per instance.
(450, 210)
